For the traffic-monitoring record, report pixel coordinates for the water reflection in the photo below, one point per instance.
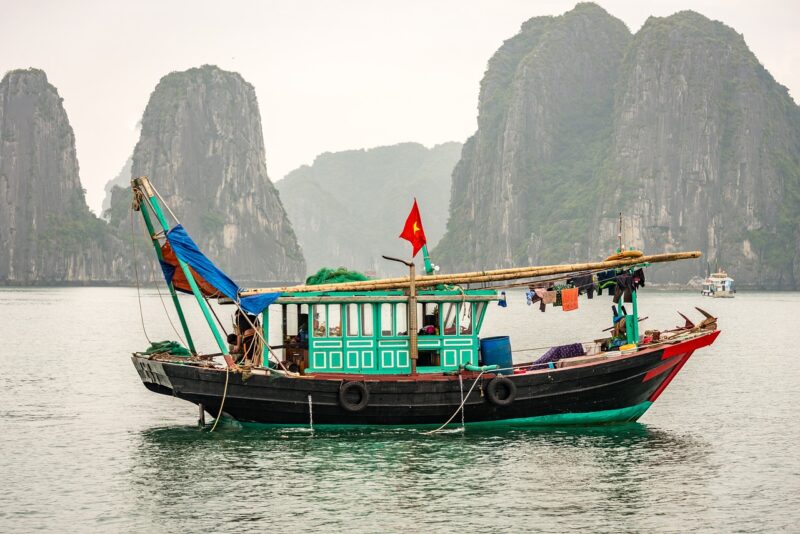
(327, 475)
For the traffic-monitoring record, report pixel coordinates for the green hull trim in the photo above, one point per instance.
(621, 415)
(603, 417)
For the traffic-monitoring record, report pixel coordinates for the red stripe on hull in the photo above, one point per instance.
(684, 351)
(663, 368)
(669, 378)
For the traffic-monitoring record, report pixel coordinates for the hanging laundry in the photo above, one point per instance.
(606, 280)
(503, 303)
(569, 299)
(540, 295)
(624, 288)
(638, 278)
(585, 284)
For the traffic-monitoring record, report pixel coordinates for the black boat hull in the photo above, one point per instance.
(617, 389)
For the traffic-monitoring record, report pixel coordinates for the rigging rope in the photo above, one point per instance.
(154, 280)
(136, 270)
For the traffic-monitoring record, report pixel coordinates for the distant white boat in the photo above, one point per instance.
(718, 285)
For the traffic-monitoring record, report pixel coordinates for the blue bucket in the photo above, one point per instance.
(497, 351)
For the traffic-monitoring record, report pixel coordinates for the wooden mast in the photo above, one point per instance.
(412, 311)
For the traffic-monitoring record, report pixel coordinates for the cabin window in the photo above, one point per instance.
(327, 320)
(291, 319)
(334, 320)
(466, 318)
(401, 319)
(450, 318)
(302, 319)
(275, 325)
(479, 307)
(428, 319)
(320, 324)
(386, 319)
(366, 319)
(352, 320)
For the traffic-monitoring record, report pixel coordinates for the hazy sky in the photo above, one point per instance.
(329, 75)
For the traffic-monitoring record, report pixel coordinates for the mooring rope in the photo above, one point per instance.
(460, 407)
(224, 395)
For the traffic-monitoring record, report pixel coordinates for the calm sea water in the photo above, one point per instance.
(85, 447)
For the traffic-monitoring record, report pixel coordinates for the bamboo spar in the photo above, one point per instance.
(497, 275)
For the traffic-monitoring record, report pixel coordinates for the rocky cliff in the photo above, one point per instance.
(349, 207)
(201, 145)
(47, 233)
(524, 185)
(122, 180)
(679, 127)
(705, 156)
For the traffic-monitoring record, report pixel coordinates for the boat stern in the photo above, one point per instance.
(152, 374)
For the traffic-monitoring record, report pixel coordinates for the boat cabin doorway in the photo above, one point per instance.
(288, 335)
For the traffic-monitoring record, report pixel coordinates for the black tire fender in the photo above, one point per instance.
(501, 391)
(347, 390)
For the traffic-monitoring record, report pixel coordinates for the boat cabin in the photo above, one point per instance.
(368, 332)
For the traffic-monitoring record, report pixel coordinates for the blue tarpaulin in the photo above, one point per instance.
(186, 249)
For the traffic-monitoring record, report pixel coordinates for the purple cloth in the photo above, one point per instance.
(558, 353)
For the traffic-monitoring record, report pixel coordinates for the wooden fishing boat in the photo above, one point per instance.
(352, 353)
(718, 285)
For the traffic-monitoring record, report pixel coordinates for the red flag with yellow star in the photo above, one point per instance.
(413, 231)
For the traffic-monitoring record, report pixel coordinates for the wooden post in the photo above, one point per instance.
(412, 310)
(201, 419)
(412, 317)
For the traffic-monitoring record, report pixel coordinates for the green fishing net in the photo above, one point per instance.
(327, 275)
(170, 347)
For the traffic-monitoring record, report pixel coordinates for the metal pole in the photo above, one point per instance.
(151, 232)
(201, 418)
(152, 201)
